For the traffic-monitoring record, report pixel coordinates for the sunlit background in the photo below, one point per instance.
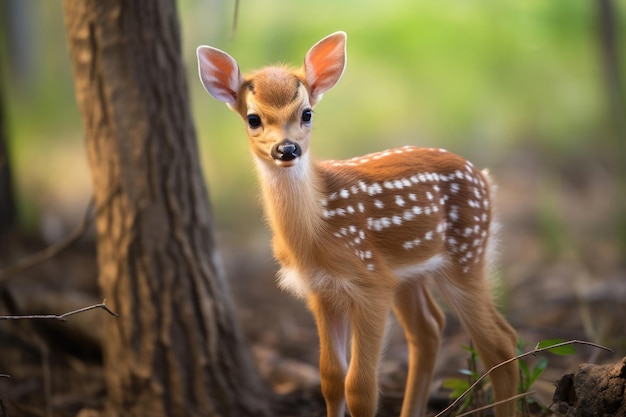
(482, 78)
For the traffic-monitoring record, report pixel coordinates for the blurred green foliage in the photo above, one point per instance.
(476, 76)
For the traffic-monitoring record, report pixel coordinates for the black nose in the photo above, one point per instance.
(286, 150)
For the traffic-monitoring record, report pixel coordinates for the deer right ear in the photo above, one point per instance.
(219, 74)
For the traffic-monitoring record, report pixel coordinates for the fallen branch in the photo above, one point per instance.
(523, 355)
(63, 317)
(52, 250)
(488, 406)
(56, 248)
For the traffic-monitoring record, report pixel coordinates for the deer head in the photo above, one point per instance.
(276, 102)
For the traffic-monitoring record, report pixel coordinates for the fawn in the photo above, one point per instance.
(359, 237)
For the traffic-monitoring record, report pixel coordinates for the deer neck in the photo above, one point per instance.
(291, 198)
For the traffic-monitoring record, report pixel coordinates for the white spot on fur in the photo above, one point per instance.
(374, 189)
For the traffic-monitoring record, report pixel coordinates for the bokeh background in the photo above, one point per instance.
(523, 87)
(483, 78)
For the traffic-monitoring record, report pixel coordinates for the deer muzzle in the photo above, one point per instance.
(286, 151)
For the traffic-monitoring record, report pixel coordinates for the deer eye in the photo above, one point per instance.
(254, 121)
(306, 115)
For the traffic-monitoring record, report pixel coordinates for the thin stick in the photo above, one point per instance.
(506, 362)
(4, 411)
(46, 376)
(63, 317)
(233, 31)
(52, 250)
(488, 406)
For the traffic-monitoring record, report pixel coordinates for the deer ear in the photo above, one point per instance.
(219, 74)
(324, 64)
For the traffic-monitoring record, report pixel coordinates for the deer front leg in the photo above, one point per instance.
(422, 321)
(332, 325)
(368, 328)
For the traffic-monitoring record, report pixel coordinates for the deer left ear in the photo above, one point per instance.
(324, 64)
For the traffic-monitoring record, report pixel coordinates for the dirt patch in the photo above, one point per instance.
(592, 390)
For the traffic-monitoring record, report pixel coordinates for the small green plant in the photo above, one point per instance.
(527, 378)
(556, 346)
(475, 396)
(528, 374)
(460, 385)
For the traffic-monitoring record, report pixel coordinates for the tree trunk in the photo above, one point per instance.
(610, 43)
(176, 349)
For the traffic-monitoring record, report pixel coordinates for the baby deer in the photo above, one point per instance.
(359, 237)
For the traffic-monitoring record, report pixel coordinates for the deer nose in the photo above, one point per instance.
(286, 150)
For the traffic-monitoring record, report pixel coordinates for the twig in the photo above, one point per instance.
(233, 31)
(46, 374)
(4, 410)
(506, 362)
(488, 406)
(63, 317)
(52, 250)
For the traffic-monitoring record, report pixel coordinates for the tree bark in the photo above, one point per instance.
(176, 349)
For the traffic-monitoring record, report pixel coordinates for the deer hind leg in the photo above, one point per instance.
(423, 322)
(333, 325)
(495, 340)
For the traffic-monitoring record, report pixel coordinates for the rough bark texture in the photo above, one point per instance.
(175, 350)
(592, 390)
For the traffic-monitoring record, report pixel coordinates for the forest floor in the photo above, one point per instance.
(562, 276)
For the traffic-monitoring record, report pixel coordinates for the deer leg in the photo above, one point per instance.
(422, 321)
(332, 324)
(494, 339)
(369, 319)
